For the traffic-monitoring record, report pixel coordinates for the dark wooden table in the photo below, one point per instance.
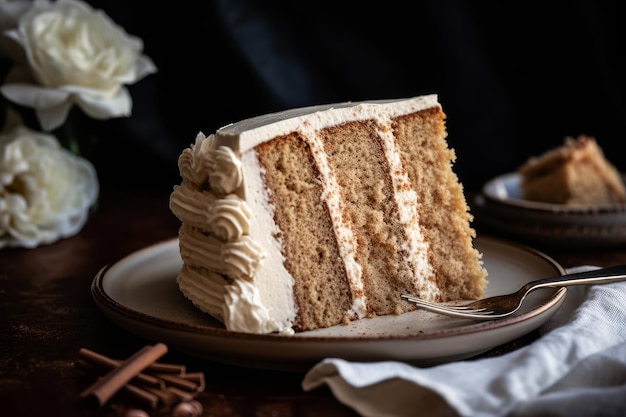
(47, 315)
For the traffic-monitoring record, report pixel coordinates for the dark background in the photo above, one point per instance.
(514, 78)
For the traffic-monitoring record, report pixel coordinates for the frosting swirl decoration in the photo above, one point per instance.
(227, 218)
(224, 170)
(239, 259)
(230, 219)
(215, 237)
(192, 161)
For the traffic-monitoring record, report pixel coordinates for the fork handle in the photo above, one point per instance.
(597, 276)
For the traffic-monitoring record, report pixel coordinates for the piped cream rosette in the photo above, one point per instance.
(214, 237)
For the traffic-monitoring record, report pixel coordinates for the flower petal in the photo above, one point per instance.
(52, 117)
(144, 67)
(34, 96)
(119, 105)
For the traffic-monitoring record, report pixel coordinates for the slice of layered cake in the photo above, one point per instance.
(318, 216)
(576, 172)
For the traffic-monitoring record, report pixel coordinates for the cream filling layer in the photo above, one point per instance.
(415, 246)
(343, 230)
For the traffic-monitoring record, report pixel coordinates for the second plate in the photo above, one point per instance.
(501, 207)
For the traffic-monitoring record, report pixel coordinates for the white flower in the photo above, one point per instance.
(46, 192)
(73, 55)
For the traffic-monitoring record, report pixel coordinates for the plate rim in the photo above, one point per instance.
(105, 301)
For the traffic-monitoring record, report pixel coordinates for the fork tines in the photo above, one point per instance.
(460, 309)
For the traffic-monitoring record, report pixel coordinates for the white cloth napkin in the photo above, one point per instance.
(576, 368)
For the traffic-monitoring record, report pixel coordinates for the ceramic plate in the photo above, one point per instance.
(139, 293)
(501, 206)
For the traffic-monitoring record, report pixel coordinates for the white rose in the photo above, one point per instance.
(73, 54)
(46, 192)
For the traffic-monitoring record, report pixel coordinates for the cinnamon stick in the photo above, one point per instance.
(166, 368)
(148, 398)
(113, 381)
(180, 394)
(101, 360)
(197, 378)
(178, 382)
(94, 358)
(165, 396)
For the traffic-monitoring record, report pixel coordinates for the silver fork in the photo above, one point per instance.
(501, 306)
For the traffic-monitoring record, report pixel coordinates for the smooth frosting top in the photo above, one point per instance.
(248, 133)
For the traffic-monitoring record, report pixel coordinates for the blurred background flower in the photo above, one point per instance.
(62, 63)
(45, 190)
(70, 54)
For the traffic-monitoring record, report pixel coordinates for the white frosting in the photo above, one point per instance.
(219, 236)
(227, 218)
(224, 170)
(216, 238)
(193, 161)
(206, 289)
(249, 133)
(238, 259)
(244, 310)
(273, 280)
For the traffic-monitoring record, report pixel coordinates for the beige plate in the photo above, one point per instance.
(501, 207)
(139, 293)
